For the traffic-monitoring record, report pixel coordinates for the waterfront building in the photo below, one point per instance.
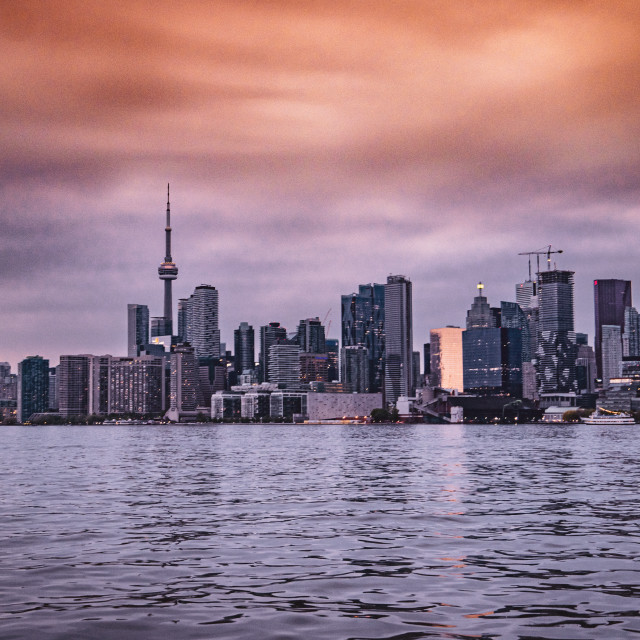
(610, 352)
(288, 404)
(611, 298)
(184, 382)
(355, 368)
(244, 348)
(204, 333)
(33, 387)
(311, 336)
(446, 358)
(73, 385)
(53, 389)
(556, 349)
(226, 405)
(167, 272)
(492, 361)
(137, 328)
(363, 316)
(398, 327)
(270, 334)
(332, 406)
(136, 385)
(255, 404)
(284, 363)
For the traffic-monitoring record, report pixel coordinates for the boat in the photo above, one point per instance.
(605, 417)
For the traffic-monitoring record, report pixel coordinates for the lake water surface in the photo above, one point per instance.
(336, 532)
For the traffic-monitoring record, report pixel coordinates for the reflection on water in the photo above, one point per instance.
(325, 532)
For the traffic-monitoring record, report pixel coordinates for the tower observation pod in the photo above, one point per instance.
(168, 271)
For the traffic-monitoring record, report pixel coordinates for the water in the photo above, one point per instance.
(333, 532)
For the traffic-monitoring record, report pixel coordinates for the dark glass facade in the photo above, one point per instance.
(492, 361)
(363, 325)
(556, 346)
(244, 348)
(610, 298)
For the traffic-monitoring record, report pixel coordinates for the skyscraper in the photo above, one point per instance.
(204, 334)
(184, 382)
(73, 385)
(167, 272)
(556, 350)
(33, 387)
(311, 336)
(363, 324)
(355, 368)
(244, 348)
(446, 358)
(492, 353)
(398, 329)
(631, 334)
(611, 298)
(137, 328)
(480, 315)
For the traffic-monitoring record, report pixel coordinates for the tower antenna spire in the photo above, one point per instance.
(168, 271)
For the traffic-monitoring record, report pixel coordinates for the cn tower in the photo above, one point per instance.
(168, 272)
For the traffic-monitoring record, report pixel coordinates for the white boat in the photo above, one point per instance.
(604, 417)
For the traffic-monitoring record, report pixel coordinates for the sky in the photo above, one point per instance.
(311, 146)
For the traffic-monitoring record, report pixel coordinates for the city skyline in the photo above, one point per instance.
(309, 150)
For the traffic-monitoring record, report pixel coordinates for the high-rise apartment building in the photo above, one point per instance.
(136, 385)
(33, 387)
(244, 348)
(284, 363)
(270, 334)
(311, 336)
(398, 329)
(611, 298)
(446, 358)
(363, 316)
(137, 328)
(556, 350)
(73, 385)
(204, 333)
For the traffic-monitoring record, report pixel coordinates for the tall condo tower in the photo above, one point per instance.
(398, 328)
(168, 272)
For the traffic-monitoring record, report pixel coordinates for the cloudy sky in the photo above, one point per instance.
(310, 146)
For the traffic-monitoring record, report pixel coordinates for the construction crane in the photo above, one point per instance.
(324, 322)
(545, 251)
